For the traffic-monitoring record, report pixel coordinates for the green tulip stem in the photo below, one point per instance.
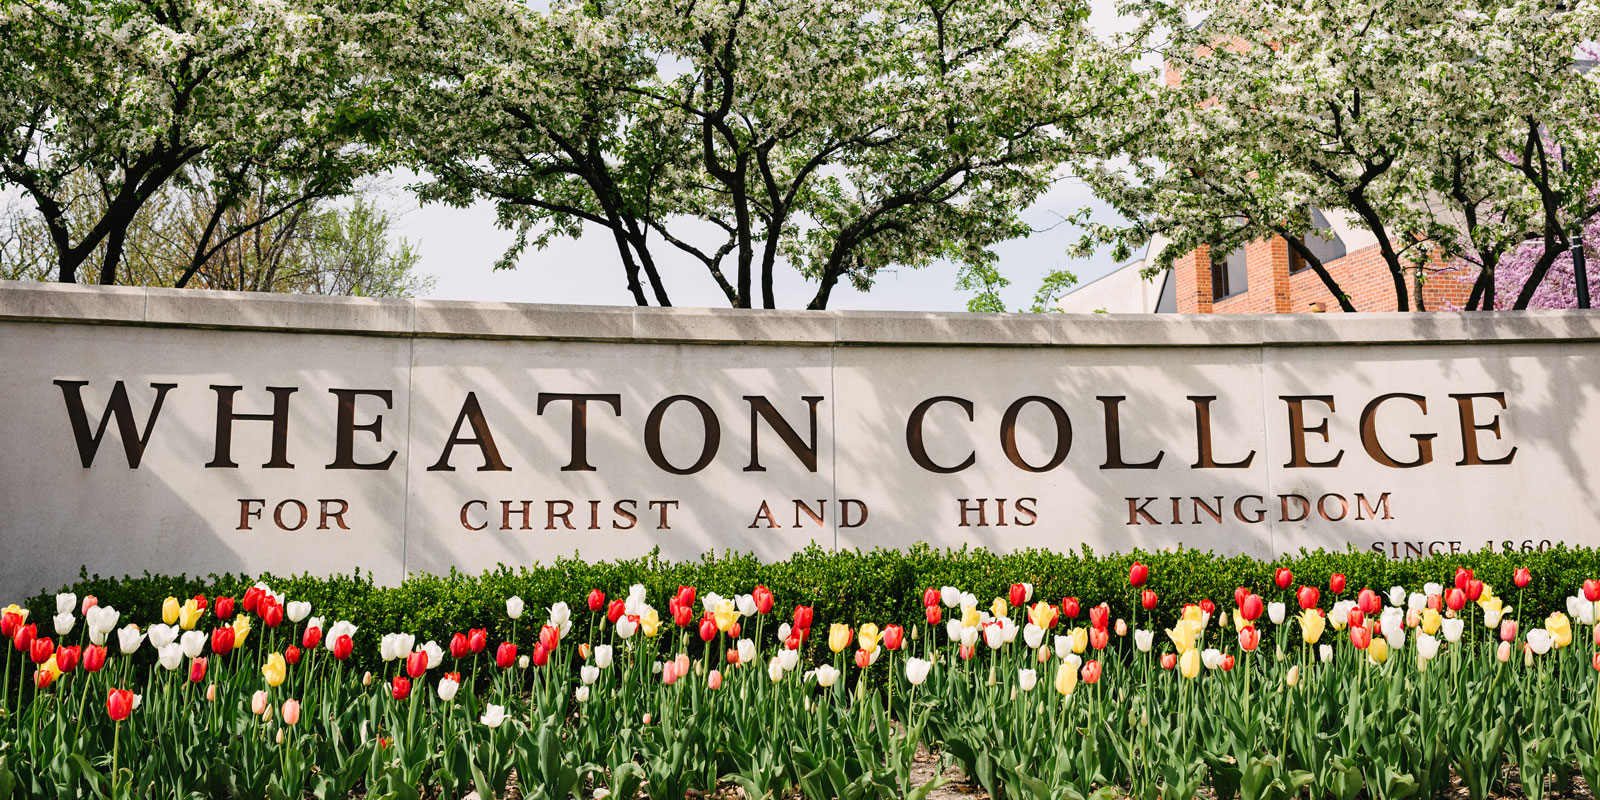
(116, 740)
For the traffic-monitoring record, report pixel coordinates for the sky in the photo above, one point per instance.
(459, 247)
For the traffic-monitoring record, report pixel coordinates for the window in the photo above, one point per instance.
(1322, 241)
(1229, 276)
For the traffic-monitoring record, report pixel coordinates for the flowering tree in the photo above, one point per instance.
(1423, 121)
(834, 138)
(125, 98)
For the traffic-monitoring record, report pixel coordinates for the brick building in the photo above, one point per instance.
(1267, 277)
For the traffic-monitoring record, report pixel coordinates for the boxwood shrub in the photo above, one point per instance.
(847, 586)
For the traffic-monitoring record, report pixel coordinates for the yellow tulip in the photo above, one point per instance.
(1311, 625)
(189, 614)
(1560, 628)
(867, 637)
(1189, 663)
(1041, 614)
(1488, 597)
(275, 670)
(15, 609)
(1183, 635)
(969, 617)
(241, 629)
(1431, 620)
(1379, 649)
(838, 637)
(725, 615)
(1066, 678)
(1000, 608)
(650, 623)
(1080, 639)
(169, 610)
(50, 666)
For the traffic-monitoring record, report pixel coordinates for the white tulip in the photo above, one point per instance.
(514, 611)
(64, 623)
(969, 637)
(1540, 640)
(1063, 645)
(1396, 636)
(710, 601)
(66, 603)
(493, 715)
(1144, 640)
(1032, 636)
(1427, 646)
(1432, 588)
(315, 622)
(1211, 657)
(1027, 679)
(522, 662)
(338, 629)
(588, 674)
(952, 627)
(788, 659)
(582, 694)
(1339, 615)
(102, 619)
(746, 650)
(602, 656)
(170, 656)
(129, 638)
(1452, 629)
(826, 676)
(1275, 613)
(746, 605)
(560, 614)
(626, 627)
(435, 653)
(775, 670)
(1008, 630)
(1417, 601)
(1397, 595)
(917, 671)
(193, 643)
(1325, 652)
(1491, 616)
(1573, 604)
(783, 631)
(448, 689)
(969, 600)
(162, 635)
(1073, 658)
(950, 596)
(297, 610)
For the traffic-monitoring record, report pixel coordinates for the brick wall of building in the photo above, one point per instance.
(1271, 289)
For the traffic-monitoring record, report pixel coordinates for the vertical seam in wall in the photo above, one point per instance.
(833, 434)
(405, 503)
(1266, 446)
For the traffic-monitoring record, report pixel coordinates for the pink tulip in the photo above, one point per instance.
(714, 680)
(1508, 630)
(291, 712)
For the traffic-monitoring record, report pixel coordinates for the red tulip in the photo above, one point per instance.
(894, 637)
(291, 654)
(272, 615)
(311, 638)
(1091, 672)
(541, 655)
(1309, 596)
(1456, 599)
(764, 599)
(342, 646)
(197, 670)
(1251, 607)
(802, 617)
(794, 640)
(1462, 576)
(400, 688)
(200, 602)
(1207, 607)
(1227, 663)
(1147, 599)
(1249, 638)
(550, 636)
(708, 629)
(458, 646)
(1336, 583)
(597, 599)
(1360, 636)
(89, 601)
(1357, 618)
(1369, 602)
(1100, 616)
(682, 616)
(1474, 589)
(1597, 662)
(1169, 660)
(1435, 602)
(966, 652)
(224, 607)
(22, 638)
(1591, 591)
(1283, 578)
(685, 596)
(734, 630)
(9, 623)
(1099, 638)
(94, 658)
(1239, 595)
(934, 614)
(41, 649)
(119, 704)
(1018, 595)
(506, 656)
(1069, 607)
(1522, 577)
(615, 611)
(477, 639)
(863, 659)
(42, 678)
(252, 599)
(1138, 574)
(416, 663)
(930, 597)
(67, 658)
(222, 640)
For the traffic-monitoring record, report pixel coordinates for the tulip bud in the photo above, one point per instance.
(1503, 653)
(1122, 628)
(366, 679)
(1293, 678)
(291, 712)
(1325, 653)
(1169, 660)
(258, 702)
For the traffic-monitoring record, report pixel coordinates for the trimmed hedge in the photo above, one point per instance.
(845, 586)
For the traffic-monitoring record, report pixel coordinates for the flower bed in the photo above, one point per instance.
(1295, 683)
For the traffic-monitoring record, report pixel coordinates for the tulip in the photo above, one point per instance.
(505, 655)
(615, 610)
(493, 715)
(197, 670)
(169, 610)
(271, 615)
(522, 660)
(1066, 679)
(775, 670)
(1169, 660)
(764, 599)
(416, 663)
(1283, 578)
(627, 626)
(1591, 591)
(950, 596)
(477, 639)
(788, 659)
(1474, 589)
(1462, 576)
(1597, 662)
(1311, 625)
(1378, 651)
(1027, 679)
(170, 657)
(1138, 574)
(119, 704)
(514, 606)
(966, 652)
(1018, 595)
(1147, 599)
(894, 637)
(342, 647)
(1098, 639)
(1276, 612)
(1455, 599)
(1508, 630)
(863, 659)
(41, 649)
(1189, 663)
(838, 637)
(802, 617)
(1069, 607)
(291, 712)
(602, 656)
(366, 678)
(400, 688)
(597, 599)
(1144, 640)
(128, 638)
(1100, 616)
(1427, 647)
(669, 673)
(541, 656)
(1522, 577)
(1091, 672)
(708, 629)
(1560, 628)
(1308, 597)
(1503, 652)
(1325, 653)
(275, 670)
(1211, 658)
(1361, 636)
(1250, 607)
(1452, 629)
(1336, 583)
(94, 658)
(930, 597)
(1293, 677)
(258, 702)
(1249, 638)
